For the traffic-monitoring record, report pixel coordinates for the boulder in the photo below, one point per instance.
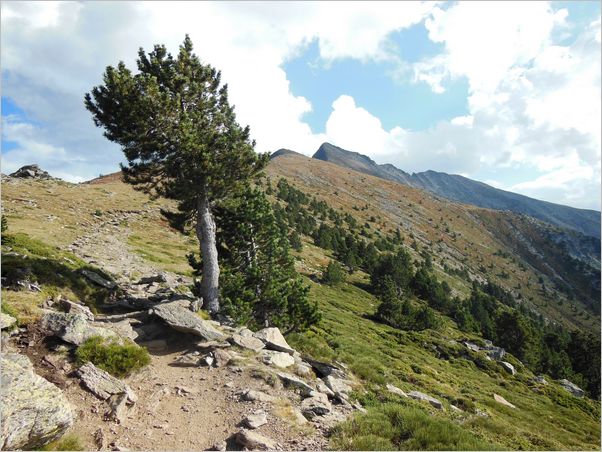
(33, 410)
(571, 387)
(421, 396)
(508, 367)
(472, 346)
(304, 370)
(395, 390)
(255, 420)
(158, 278)
(501, 400)
(321, 387)
(117, 408)
(278, 359)
(102, 384)
(76, 308)
(338, 386)
(316, 405)
(254, 441)
(250, 395)
(182, 319)
(97, 279)
(295, 382)
(540, 379)
(211, 345)
(324, 369)
(274, 340)
(72, 328)
(248, 342)
(31, 172)
(221, 357)
(495, 353)
(188, 360)
(6, 321)
(122, 329)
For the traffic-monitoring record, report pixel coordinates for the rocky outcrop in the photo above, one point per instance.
(254, 441)
(102, 384)
(274, 340)
(499, 399)
(248, 342)
(395, 390)
(31, 172)
(255, 420)
(572, 388)
(72, 328)
(278, 359)
(182, 319)
(6, 321)
(97, 279)
(33, 410)
(508, 367)
(296, 383)
(427, 398)
(316, 405)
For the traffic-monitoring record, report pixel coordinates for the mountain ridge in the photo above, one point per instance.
(462, 189)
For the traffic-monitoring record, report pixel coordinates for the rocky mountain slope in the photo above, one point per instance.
(461, 189)
(199, 392)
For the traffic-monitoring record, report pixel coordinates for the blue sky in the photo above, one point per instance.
(506, 93)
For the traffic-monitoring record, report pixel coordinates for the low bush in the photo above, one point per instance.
(67, 442)
(117, 359)
(397, 427)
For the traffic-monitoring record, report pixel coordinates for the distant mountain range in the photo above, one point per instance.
(461, 189)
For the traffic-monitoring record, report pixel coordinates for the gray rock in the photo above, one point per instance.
(122, 329)
(540, 379)
(274, 340)
(6, 321)
(508, 367)
(340, 387)
(248, 342)
(158, 278)
(254, 441)
(33, 410)
(211, 345)
(496, 353)
(221, 357)
(278, 359)
(571, 387)
(102, 384)
(255, 420)
(31, 172)
(76, 308)
(421, 396)
(317, 405)
(72, 328)
(321, 387)
(188, 360)
(117, 408)
(220, 446)
(295, 382)
(251, 395)
(181, 319)
(324, 369)
(499, 399)
(304, 370)
(395, 390)
(97, 279)
(472, 346)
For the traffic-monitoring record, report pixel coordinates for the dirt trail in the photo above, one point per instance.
(178, 408)
(187, 408)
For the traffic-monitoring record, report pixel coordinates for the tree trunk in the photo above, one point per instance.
(205, 231)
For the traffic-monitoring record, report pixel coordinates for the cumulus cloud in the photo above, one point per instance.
(52, 53)
(533, 103)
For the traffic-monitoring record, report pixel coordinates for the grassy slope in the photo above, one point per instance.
(547, 417)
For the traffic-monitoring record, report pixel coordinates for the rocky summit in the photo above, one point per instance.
(31, 172)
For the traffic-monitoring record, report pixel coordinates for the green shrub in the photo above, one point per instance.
(67, 442)
(119, 360)
(397, 427)
(334, 274)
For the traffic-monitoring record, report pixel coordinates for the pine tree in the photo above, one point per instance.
(259, 284)
(181, 140)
